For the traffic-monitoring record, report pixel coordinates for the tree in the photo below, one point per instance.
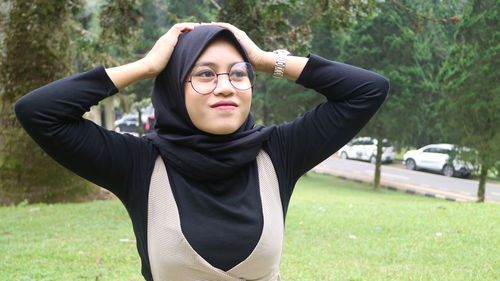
(390, 44)
(471, 86)
(36, 52)
(46, 40)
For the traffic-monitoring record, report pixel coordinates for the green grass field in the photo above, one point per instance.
(336, 230)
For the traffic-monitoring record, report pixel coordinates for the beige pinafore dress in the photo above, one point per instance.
(173, 259)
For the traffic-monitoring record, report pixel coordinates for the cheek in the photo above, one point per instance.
(193, 103)
(248, 102)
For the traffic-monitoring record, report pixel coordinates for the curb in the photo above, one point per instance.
(397, 186)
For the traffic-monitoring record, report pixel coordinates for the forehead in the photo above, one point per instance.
(219, 53)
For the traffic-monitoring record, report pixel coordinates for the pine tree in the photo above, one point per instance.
(398, 45)
(471, 86)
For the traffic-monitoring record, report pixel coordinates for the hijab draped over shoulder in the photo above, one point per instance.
(193, 152)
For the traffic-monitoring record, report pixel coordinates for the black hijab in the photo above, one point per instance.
(193, 152)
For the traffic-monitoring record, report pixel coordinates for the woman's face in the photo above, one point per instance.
(223, 110)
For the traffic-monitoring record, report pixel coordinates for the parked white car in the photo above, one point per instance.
(128, 123)
(436, 157)
(365, 148)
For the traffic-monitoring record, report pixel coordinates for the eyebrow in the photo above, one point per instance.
(215, 65)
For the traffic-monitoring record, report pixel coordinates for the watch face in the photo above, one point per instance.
(282, 52)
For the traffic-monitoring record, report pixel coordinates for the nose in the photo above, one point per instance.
(224, 86)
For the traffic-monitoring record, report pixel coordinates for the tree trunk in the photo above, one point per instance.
(482, 184)
(378, 164)
(109, 113)
(140, 126)
(36, 53)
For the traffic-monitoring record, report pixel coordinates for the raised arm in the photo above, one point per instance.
(353, 96)
(52, 116)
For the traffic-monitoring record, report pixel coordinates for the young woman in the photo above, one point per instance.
(208, 191)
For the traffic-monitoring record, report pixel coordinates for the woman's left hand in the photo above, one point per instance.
(255, 54)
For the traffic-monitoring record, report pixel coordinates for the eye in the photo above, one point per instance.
(238, 73)
(205, 73)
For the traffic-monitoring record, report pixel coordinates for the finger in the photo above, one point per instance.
(186, 28)
(186, 25)
(224, 25)
(179, 27)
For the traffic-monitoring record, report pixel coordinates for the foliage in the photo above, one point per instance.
(119, 21)
(471, 85)
(4, 16)
(107, 34)
(278, 101)
(335, 230)
(190, 11)
(287, 23)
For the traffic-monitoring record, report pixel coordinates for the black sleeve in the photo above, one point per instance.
(52, 116)
(353, 96)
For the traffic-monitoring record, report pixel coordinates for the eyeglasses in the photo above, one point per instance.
(204, 79)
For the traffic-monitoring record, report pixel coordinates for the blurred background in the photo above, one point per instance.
(441, 57)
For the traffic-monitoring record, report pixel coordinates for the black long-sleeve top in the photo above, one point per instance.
(123, 164)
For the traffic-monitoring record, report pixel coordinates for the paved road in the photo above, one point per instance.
(425, 182)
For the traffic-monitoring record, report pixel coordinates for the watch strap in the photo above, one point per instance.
(280, 63)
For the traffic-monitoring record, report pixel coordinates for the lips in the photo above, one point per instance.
(224, 105)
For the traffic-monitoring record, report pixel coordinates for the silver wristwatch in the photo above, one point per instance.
(279, 65)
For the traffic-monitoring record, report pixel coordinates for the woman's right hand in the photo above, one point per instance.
(157, 58)
(153, 63)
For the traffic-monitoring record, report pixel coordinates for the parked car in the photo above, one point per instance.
(442, 158)
(128, 123)
(365, 148)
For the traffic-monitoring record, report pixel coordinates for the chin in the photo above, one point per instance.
(222, 131)
(220, 126)
(226, 129)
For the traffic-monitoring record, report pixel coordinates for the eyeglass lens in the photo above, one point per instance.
(204, 78)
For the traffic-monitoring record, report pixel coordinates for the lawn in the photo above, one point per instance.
(336, 230)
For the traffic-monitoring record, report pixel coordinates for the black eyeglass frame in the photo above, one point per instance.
(252, 81)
